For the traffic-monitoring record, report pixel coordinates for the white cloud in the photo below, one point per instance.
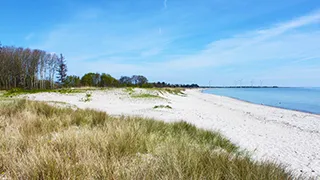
(29, 36)
(110, 45)
(165, 4)
(151, 52)
(281, 42)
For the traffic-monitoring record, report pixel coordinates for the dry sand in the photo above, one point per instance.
(288, 137)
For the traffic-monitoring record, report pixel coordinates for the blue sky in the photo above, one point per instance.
(178, 41)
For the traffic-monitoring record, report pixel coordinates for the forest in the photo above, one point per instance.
(30, 69)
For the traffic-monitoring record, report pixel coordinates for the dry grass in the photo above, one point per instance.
(38, 141)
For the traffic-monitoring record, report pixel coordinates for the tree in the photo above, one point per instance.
(108, 80)
(142, 80)
(72, 81)
(87, 79)
(139, 80)
(62, 69)
(26, 68)
(125, 81)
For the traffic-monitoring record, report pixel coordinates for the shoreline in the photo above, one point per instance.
(238, 99)
(283, 108)
(269, 133)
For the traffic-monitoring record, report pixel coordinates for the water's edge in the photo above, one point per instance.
(238, 99)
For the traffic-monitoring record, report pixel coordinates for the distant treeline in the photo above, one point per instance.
(106, 80)
(239, 87)
(27, 68)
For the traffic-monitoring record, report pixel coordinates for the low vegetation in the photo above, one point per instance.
(145, 96)
(162, 106)
(175, 91)
(38, 141)
(130, 90)
(87, 98)
(18, 91)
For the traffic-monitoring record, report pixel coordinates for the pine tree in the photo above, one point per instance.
(62, 70)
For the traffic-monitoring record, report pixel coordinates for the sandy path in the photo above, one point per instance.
(289, 137)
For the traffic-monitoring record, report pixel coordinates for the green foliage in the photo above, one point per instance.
(176, 91)
(108, 81)
(162, 106)
(87, 98)
(135, 80)
(62, 69)
(97, 80)
(90, 79)
(130, 90)
(61, 143)
(146, 96)
(72, 81)
(17, 91)
(147, 85)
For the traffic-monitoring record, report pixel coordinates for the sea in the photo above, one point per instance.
(299, 99)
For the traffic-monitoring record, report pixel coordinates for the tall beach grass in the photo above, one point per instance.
(38, 141)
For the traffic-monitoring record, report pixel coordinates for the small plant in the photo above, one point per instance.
(130, 90)
(87, 98)
(162, 106)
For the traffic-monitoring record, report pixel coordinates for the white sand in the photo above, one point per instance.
(288, 137)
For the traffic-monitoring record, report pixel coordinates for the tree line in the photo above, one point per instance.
(106, 80)
(27, 68)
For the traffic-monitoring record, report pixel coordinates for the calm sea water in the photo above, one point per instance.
(300, 99)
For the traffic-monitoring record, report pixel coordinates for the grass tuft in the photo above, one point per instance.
(38, 141)
(87, 98)
(162, 106)
(130, 90)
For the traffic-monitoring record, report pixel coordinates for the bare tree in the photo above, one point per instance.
(26, 68)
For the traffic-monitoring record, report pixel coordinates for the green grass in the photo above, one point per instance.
(130, 90)
(162, 106)
(174, 91)
(87, 98)
(146, 96)
(16, 91)
(38, 141)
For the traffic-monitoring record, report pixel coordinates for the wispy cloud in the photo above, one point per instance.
(165, 4)
(280, 42)
(119, 44)
(29, 36)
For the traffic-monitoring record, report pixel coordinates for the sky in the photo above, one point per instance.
(208, 42)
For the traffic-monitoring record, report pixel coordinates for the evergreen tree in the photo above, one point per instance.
(62, 70)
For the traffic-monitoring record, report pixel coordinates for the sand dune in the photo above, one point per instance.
(288, 137)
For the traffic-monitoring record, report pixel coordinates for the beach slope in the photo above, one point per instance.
(288, 137)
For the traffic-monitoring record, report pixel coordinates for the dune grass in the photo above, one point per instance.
(17, 91)
(175, 91)
(38, 141)
(144, 95)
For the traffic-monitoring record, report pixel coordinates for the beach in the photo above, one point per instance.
(288, 137)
